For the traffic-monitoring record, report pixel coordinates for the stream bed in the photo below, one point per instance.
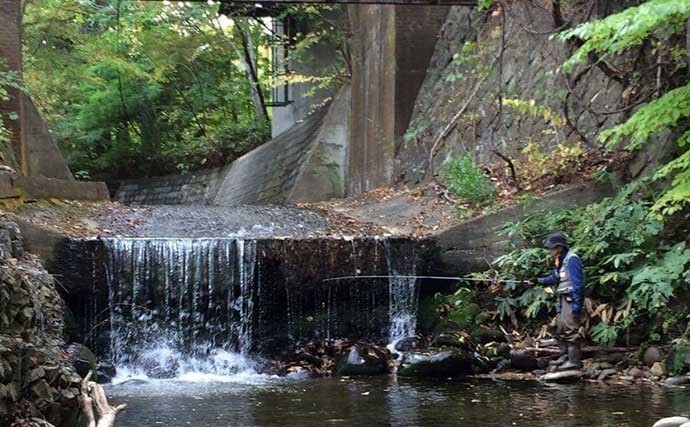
(257, 400)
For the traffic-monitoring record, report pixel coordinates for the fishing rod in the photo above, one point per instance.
(469, 279)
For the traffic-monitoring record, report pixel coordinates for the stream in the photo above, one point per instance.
(256, 400)
(187, 321)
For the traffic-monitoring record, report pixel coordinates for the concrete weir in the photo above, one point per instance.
(236, 294)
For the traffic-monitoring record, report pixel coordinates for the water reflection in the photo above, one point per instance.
(390, 402)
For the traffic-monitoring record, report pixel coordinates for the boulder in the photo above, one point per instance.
(523, 360)
(450, 339)
(636, 373)
(603, 375)
(671, 422)
(445, 363)
(658, 369)
(563, 376)
(652, 355)
(408, 344)
(363, 361)
(484, 334)
(676, 381)
(82, 359)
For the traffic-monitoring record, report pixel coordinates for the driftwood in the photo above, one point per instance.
(93, 395)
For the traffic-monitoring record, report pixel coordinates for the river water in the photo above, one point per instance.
(248, 399)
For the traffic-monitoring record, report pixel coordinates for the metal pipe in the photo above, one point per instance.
(469, 279)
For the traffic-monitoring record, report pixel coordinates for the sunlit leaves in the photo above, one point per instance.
(140, 87)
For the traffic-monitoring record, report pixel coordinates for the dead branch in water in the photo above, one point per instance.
(92, 395)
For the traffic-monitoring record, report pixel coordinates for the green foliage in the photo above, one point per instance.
(7, 80)
(136, 88)
(630, 28)
(532, 109)
(658, 21)
(626, 262)
(465, 179)
(467, 63)
(458, 309)
(485, 4)
(678, 361)
(564, 160)
(325, 29)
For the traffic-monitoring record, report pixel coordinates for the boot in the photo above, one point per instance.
(563, 357)
(574, 357)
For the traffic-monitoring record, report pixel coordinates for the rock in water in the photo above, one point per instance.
(362, 362)
(652, 355)
(671, 422)
(676, 381)
(409, 343)
(523, 360)
(447, 363)
(658, 369)
(562, 377)
(603, 375)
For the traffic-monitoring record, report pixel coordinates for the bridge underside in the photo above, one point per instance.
(269, 3)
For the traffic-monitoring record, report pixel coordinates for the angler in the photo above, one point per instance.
(569, 278)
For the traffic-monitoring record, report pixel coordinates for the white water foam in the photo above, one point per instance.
(219, 366)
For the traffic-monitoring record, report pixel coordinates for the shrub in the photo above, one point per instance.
(465, 179)
(632, 273)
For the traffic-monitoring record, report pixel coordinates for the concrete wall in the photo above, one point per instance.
(199, 187)
(472, 245)
(323, 174)
(267, 174)
(26, 188)
(391, 48)
(32, 151)
(42, 156)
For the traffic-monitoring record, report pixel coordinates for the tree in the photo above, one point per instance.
(659, 24)
(134, 88)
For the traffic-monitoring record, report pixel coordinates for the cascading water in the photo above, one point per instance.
(179, 306)
(403, 293)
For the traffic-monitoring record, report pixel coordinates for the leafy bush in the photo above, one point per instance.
(563, 161)
(7, 80)
(655, 22)
(632, 273)
(465, 179)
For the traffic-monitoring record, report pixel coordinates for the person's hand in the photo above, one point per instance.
(529, 282)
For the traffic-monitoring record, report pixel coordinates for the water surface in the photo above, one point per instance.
(260, 400)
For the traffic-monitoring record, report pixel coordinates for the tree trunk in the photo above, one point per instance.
(248, 60)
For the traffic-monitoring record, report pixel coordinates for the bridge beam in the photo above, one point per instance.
(470, 3)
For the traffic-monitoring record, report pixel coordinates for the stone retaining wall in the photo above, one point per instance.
(472, 245)
(199, 187)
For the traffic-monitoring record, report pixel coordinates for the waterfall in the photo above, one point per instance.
(403, 292)
(171, 306)
(178, 305)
